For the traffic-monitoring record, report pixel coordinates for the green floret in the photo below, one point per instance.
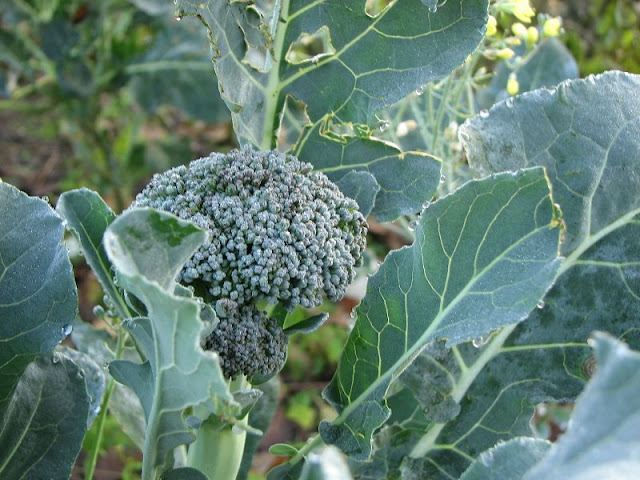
(278, 231)
(248, 343)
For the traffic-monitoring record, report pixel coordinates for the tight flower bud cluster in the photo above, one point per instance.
(279, 232)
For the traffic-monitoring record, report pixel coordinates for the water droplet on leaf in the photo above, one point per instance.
(433, 8)
(442, 178)
(66, 330)
(105, 365)
(55, 358)
(484, 113)
(426, 204)
(420, 90)
(480, 341)
(540, 304)
(383, 126)
(178, 18)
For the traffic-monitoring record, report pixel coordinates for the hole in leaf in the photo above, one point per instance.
(293, 119)
(311, 47)
(373, 8)
(256, 38)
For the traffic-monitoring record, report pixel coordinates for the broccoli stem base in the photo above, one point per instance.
(217, 453)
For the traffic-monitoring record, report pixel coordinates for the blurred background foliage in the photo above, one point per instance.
(104, 94)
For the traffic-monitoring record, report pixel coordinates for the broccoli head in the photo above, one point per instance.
(279, 231)
(248, 342)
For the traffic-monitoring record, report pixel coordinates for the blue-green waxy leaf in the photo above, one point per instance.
(46, 419)
(88, 217)
(148, 249)
(602, 438)
(510, 460)
(38, 298)
(586, 133)
(482, 259)
(406, 180)
(124, 405)
(546, 66)
(176, 70)
(362, 187)
(368, 60)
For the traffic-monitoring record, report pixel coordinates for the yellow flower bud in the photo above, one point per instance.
(505, 53)
(532, 36)
(513, 86)
(552, 27)
(492, 26)
(519, 30)
(521, 9)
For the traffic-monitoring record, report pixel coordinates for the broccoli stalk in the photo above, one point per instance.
(279, 233)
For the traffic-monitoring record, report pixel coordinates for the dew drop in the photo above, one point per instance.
(98, 311)
(315, 60)
(45, 199)
(413, 225)
(509, 102)
(383, 126)
(55, 358)
(66, 330)
(540, 304)
(442, 178)
(420, 90)
(95, 411)
(484, 113)
(480, 341)
(178, 18)
(105, 365)
(426, 204)
(433, 8)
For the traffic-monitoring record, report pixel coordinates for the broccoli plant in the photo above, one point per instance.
(520, 284)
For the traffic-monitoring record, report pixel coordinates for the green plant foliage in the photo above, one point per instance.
(546, 66)
(47, 399)
(588, 449)
(507, 460)
(87, 218)
(176, 70)
(148, 249)
(377, 61)
(503, 262)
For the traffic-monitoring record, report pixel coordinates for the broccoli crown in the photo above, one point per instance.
(278, 231)
(248, 342)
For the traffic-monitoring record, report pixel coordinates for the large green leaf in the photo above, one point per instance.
(602, 440)
(46, 419)
(586, 134)
(38, 298)
(482, 259)
(596, 445)
(332, 56)
(176, 70)
(88, 217)
(148, 248)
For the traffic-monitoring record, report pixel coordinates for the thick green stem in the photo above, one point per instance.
(217, 452)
